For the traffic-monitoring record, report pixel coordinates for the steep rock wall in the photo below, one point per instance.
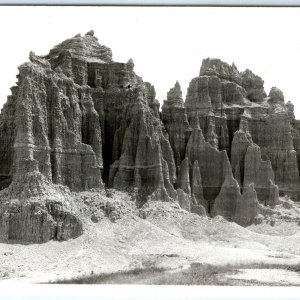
(175, 121)
(79, 119)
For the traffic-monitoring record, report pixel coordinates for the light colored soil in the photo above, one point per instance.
(168, 238)
(269, 276)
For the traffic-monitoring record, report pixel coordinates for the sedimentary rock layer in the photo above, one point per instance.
(77, 118)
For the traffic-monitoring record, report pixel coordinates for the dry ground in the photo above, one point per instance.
(158, 244)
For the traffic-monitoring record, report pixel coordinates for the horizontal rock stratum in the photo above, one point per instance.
(78, 119)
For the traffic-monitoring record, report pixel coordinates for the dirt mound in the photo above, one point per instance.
(33, 210)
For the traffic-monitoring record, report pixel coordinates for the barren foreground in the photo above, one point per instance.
(162, 237)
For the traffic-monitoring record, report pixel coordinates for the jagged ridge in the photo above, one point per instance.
(83, 121)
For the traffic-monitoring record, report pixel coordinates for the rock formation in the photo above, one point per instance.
(32, 210)
(197, 188)
(175, 121)
(78, 119)
(261, 174)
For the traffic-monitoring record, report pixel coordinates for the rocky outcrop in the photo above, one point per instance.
(243, 100)
(226, 202)
(74, 118)
(183, 181)
(78, 119)
(249, 168)
(212, 174)
(246, 206)
(234, 206)
(146, 162)
(46, 116)
(209, 110)
(7, 136)
(240, 143)
(216, 67)
(276, 96)
(86, 48)
(197, 188)
(184, 200)
(33, 211)
(212, 164)
(190, 194)
(34, 222)
(253, 85)
(87, 116)
(261, 174)
(175, 121)
(234, 107)
(271, 129)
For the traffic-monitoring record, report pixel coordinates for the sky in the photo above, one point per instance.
(165, 43)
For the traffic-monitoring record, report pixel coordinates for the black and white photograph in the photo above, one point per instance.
(155, 146)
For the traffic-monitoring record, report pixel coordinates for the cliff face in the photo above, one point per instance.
(77, 118)
(251, 117)
(231, 117)
(175, 121)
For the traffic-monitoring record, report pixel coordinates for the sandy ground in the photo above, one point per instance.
(166, 237)
(269, 276)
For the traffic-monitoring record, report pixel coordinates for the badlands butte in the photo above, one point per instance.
(79, 129)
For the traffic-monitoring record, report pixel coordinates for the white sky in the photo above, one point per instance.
(166, 43)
